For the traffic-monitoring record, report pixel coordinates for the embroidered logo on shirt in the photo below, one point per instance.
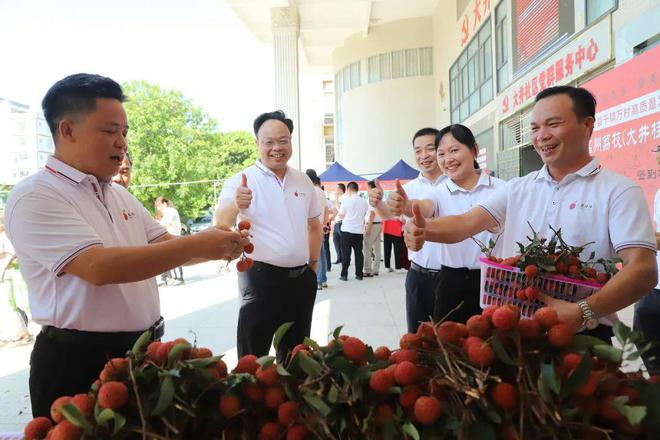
(581, 206)
(299, 194)
(127, 214)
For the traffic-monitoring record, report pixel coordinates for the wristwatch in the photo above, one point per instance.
(589, 318)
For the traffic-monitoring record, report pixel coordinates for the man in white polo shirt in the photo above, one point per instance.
(422, 279)
(572, 192)
(88, 250)
(285, 213)
(352, 212)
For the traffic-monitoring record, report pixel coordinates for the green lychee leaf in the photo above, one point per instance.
(311, 343)
(119, 423)
(308, 365)
(501, 352)
(622, 332)
(266, 361)
(409, 429)
(141, 344)
(165, 395)
(104, 416)
(482, 430)
(279, 334)
(317, 404)
(550, 377)
(73, 415)
(577, 378)
(608, 352)
(583, 342)
(282, 371)
(177, 351)
(337, 332)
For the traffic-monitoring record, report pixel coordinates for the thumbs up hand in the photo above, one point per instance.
(397, 199)
(414, 232)
(243, 194)
(376, 194)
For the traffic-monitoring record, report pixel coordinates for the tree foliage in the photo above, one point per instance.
(171, 140)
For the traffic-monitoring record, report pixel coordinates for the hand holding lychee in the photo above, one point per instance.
(245, 262)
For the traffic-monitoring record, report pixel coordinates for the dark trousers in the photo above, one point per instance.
(61, 368)
(336, 239)
(351, 241)
(420, 296)
(326, 249)
(390, 241)
(647, 321)
(457, 285)
(271, 297)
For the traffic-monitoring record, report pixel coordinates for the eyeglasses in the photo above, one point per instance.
(281, 142)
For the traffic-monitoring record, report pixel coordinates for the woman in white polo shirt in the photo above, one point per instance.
(465, 187)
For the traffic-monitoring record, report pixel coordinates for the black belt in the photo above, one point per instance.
(459, 269)
(69, 336)
(289, 272)
(375, 223)
(425, 271)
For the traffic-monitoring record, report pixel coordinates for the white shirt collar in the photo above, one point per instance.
(267, 170)
(593, 167)
(484, 179)
(69, 173)
(423, 179)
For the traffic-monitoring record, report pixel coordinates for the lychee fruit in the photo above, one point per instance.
(404, 355)
(37, 428)
(589, 387)
(449, 333)
(269, 431)
(246, 364)
(274, 397)
(481, 355)
(427, 410)
(65, 430)
(55, 413)
(410, 340)
(85, 403)
(479, 326)
(529, 329)
(505, 396)
(560, 335)
(200, 353)
(113, 395)
(406, 373)
(116, 369)
(531, 270)
(382, 353)
(288, 413)
(354, 349)
(297, 432)
(488, 311)
(243, 225)
(253, 391)
(546, 317)
(426, 330)
(381, 381)
(409, 396)
(383, 413)
(229, 405)
(505, 318)
(267, 376)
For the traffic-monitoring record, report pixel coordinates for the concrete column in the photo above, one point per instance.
(285, 48)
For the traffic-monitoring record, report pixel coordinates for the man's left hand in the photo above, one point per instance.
(314, 265)
(568, 312)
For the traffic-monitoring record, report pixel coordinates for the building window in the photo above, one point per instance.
(501, 46)
(412, 62)
(397, 64)
(373, 69)
(597, 8)
(355, 75)
(385, 65)
(426, 61)
(329, 143)
(470, 77)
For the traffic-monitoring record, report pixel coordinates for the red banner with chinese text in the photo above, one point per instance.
(628, 120)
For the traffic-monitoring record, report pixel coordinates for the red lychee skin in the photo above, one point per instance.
(531, 270)
(589, 387)
(163, 352)
(404, 355)
(427, 410)
(113, 395)
(249, 248)
(297, 432)
(449, 333)
(481, 355)
(247, 364)
(479, 326)
(410, 340)
(471, 340)
(269, 431)
(406, 373)
(571, 361)
(200, 353)
(381, 381)
(152, 350)
(504, 396)
(426, 330)
(354, 349)
(607, 411)
(632, 394)
(288, 413)
(560, 335)
(383, 412)
(229, 405)
(253, 392)
(302, 348)
(55, 413)
(409, 396)
(37, 428)
(267, 376)
(65, 430)
(488, 311)
(529, 329)
(505, 318)
(274, 397)
(243, 225)
(546, 317)
(382, 353)
(85, 403)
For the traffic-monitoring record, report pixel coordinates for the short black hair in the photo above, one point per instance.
(353, 186)
(341, 186)
(311, 173)
(463, 135)
(584, 103)
(277, 115)
(76, 95)
(428, 131)
(371, 184)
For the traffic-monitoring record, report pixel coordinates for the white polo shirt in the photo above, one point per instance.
(58, 213)
(171, 220)
(592, 204)
(353, 209)
(377, 218)
(278, 213)
(451, 199)
(422, 188)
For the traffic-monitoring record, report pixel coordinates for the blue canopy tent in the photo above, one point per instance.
(401, 170)
(336, 173)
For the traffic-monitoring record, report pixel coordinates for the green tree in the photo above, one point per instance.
(171, 140)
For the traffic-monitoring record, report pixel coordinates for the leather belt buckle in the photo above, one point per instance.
(158, 329)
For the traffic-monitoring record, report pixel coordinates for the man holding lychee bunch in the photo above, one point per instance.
(285, 218)
(572, 191)
(88, 250)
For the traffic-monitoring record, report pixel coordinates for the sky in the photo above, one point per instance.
(196, 46)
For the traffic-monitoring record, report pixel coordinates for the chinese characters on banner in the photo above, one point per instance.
(628, 120)
(474, 15)
(590, 50)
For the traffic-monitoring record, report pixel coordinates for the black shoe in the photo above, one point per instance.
(359, 277)
(343, 278)
(368, 275)
(329, 269)
(375, 274)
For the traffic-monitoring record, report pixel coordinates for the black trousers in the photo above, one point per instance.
(390, 241)
(326, 249)
(270, 298)
(336, 239)
(457, 285)
(351, 241)
(62, 368)
(420, 297)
